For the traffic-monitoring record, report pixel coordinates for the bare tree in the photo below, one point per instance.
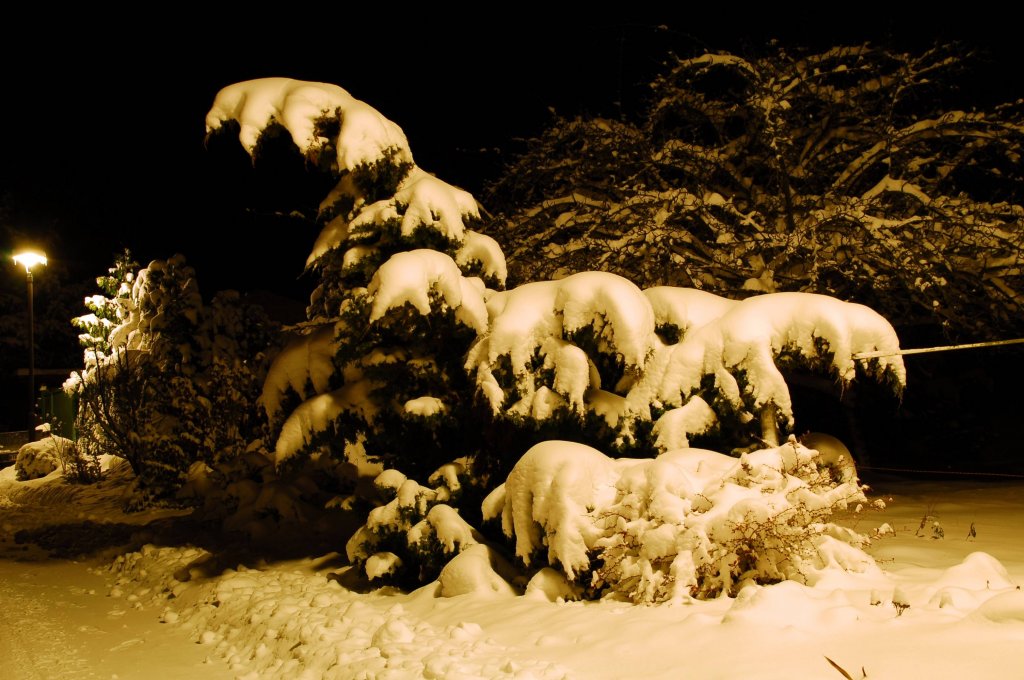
(858, 172)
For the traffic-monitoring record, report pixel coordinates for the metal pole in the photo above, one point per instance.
(31, 364)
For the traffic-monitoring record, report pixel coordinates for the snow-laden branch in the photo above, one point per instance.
(951, 124)
(422, 201)
(413, 277)
(364, 136)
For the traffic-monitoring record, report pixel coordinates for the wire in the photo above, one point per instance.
(961, 473)
(945, 348)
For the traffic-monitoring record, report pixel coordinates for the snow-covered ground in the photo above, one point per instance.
(944, 604)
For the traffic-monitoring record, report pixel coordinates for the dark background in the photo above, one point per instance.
(103, 120)
(102, 124)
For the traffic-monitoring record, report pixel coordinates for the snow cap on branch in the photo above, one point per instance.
(364, 137)
(410, 277)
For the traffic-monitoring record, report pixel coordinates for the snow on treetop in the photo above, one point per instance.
(410, 277)
(364, 137)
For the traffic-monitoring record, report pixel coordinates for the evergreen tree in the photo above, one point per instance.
(378, 364)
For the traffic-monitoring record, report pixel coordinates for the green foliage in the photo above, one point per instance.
(408, 539)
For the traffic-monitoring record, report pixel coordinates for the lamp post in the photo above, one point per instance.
(29, 259)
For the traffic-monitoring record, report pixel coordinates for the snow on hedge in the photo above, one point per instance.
(690, 523)
(365, 135)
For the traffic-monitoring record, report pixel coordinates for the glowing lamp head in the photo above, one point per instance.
(29, 259)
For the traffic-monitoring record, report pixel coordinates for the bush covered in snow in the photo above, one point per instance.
(415, 532)
(689, 523)
(36, 459)
(167, 380)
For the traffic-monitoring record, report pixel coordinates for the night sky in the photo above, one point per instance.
(103, 123)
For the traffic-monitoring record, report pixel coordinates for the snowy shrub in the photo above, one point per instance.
(36, 459)
(75, 463)
(167, 381)
(689, 523)
(416, 532)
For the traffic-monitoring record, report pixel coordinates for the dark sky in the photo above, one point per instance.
(103, 118)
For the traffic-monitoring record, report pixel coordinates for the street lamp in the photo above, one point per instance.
(29, 259)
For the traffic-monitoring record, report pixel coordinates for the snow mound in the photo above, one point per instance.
(473, 571)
